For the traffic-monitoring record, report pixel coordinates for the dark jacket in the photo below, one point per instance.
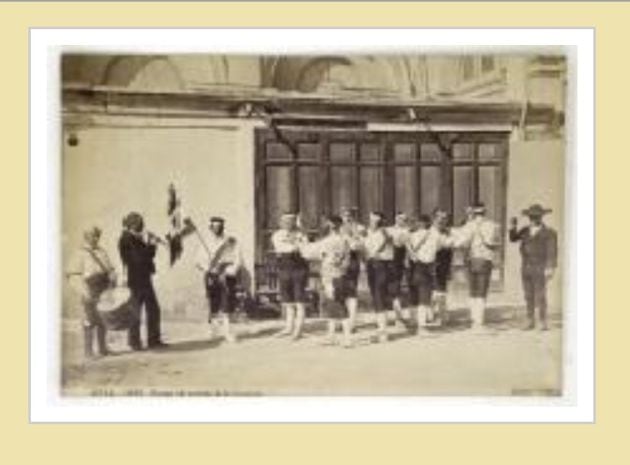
(137, 257)
(539, 251)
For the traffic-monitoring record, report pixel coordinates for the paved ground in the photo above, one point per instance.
(500, 361)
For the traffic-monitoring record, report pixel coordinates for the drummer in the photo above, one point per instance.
(90, 273)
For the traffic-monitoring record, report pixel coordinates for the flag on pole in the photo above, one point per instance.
(180, 226)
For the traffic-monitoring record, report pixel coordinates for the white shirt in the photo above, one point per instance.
(284, 241)
(399, 235)
(231, 258)
(424, 244)
(479, 236)
(534, 229)
(83, 266)
(378, 245)
(355, 233)
(334, 253)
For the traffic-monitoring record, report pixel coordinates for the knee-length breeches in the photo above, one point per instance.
(423, 276)
(479, 271)
(397, 271)
(351, 278)
(292, 278)
(379, 274)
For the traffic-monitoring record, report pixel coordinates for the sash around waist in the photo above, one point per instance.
(292, 258)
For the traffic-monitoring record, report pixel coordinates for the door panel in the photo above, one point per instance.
(490, 190)
(372, 187)
(430, 185)
(279, 193)
(309, 201)
(343, 187)
(405, 188)
(463, 192)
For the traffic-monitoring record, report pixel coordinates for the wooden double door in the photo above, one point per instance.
(322, 171)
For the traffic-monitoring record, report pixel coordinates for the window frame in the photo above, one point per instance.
(386, 142)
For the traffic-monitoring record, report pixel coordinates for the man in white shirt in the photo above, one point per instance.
(379, 251)
(354, 232)
(334, 253)
(443, 260)
(480, 236)
(422, 246)
(220, 259)
(292, 273)
(399, 233)
(90, 273)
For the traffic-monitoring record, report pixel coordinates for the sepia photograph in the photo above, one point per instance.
(323, 224)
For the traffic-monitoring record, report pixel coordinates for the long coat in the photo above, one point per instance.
(538, 251)
(137, 256)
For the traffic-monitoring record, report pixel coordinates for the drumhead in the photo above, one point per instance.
(113, 298)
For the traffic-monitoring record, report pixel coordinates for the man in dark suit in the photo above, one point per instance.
(539, 252)
(137, 253)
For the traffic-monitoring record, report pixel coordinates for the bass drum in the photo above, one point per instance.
(118, 309)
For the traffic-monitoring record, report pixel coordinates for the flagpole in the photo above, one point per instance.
(200, 237)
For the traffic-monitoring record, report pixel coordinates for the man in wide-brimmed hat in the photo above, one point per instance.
(539, 251)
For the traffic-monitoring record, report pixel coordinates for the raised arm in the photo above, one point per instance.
(515, 234)
(460, 236)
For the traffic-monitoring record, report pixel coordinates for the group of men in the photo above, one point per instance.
(417, 253)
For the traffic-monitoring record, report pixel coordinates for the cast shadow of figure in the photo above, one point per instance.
(193, 345)
(259, 334)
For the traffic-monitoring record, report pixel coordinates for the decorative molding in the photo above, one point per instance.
(296, 108)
